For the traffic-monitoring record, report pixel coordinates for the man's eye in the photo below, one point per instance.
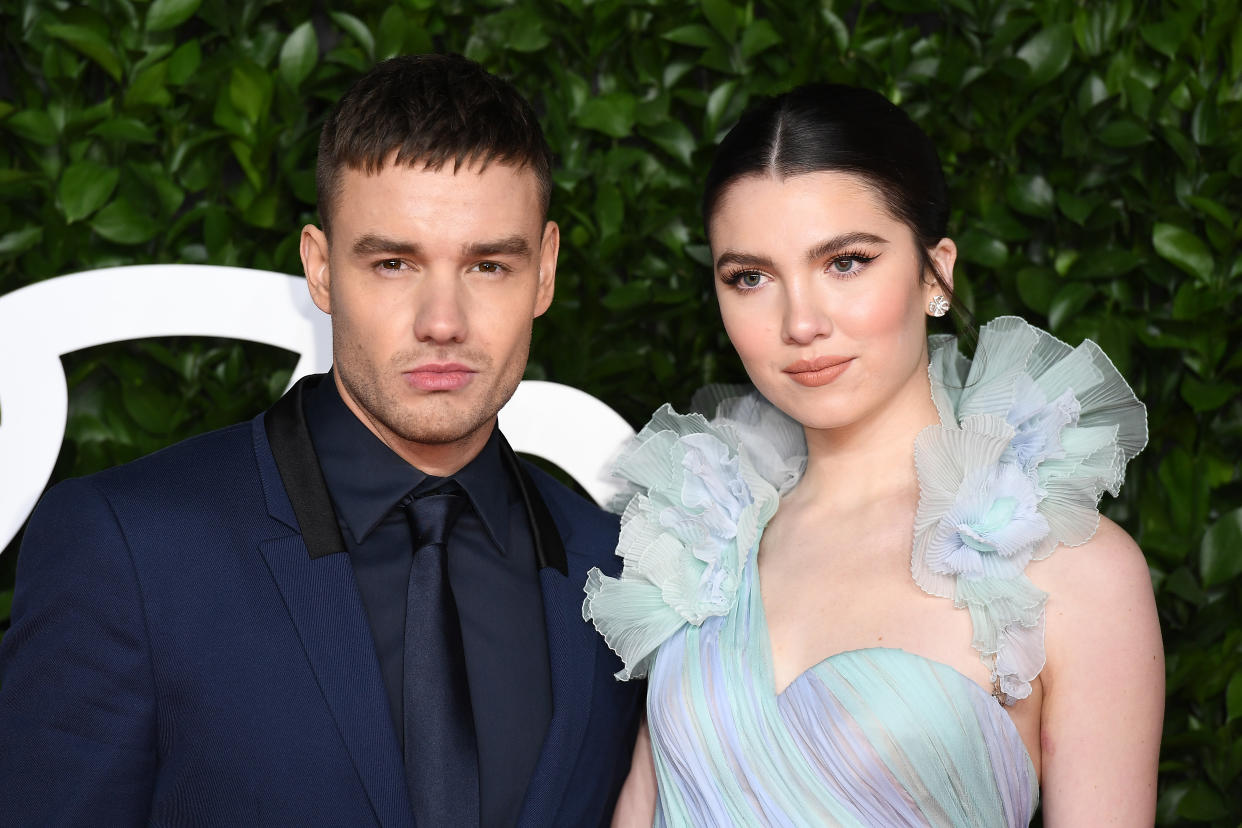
(390, 264)
(490, 267)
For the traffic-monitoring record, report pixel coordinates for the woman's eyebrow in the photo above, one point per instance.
(835, 244)
(739, 259)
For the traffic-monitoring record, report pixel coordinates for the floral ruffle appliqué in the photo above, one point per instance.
(1032, 433)
(686, 533)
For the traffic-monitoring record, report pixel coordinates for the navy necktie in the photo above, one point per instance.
(441, 755)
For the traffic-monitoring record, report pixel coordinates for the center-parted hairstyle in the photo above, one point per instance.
(835, 128)
(429, 110)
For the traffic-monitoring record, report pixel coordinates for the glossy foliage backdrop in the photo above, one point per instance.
(1093, 151)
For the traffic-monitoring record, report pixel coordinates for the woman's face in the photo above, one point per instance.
(822, 295)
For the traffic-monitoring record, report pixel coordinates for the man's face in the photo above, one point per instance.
(432, 279)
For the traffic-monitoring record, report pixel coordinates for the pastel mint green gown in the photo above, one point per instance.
(1030, 437)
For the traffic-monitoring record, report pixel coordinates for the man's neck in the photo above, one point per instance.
(436, 459)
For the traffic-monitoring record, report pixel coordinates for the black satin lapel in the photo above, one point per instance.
(549, 547)
(289, 438)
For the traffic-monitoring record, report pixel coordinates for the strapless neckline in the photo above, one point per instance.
(765, 640)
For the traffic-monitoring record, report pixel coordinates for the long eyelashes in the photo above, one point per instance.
(846, 265)
(855, 262)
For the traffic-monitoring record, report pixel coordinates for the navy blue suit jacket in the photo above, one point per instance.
(184, 651)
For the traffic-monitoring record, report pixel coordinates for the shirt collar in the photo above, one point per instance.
(366, 478)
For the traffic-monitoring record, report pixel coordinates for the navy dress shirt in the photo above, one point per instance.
(493, 571)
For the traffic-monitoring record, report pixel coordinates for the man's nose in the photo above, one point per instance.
(441, 316)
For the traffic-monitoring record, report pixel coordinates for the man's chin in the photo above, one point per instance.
(439, 428)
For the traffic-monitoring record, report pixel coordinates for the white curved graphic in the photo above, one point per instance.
(41, 322)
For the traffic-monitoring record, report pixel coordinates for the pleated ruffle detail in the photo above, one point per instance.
(695, 516)
(1032, 433)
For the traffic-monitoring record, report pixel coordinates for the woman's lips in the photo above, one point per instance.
(819, 371)
(433, 376)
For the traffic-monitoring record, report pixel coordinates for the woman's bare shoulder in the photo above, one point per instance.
(1108, 567)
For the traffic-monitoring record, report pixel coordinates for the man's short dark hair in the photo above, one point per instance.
(429, 110)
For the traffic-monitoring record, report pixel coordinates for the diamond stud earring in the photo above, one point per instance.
(938, 306)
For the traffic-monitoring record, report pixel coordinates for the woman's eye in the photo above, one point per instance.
(750, 279)
(849, 265)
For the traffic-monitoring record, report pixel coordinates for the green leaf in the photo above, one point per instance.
(166, 14)
(121, 222)
(184, 62)
(147, 87)
(673, 137)
(1192, 301)
(299, 54)
(1233, 697)
(1220, 553)
(723, 17)
(391, 35)
(627, 296)
(1031, 194)
(525, 31)
(1037, 286)
(34, 125)
(1184, 249)
(19, 241)
(1202, 803)
(356, 29)
(250, 91)
(609, 210)
(758, 37)
(1165, 37)
(1068, 301)
(1124, 133)
(152, 409)
(1107, 263)
(611, 114)
(1207, 396)
(1205, 121)
(90, 43)
(85, 187)
(124, 130)
(693, 34)
(1047, 53)
(982, 249)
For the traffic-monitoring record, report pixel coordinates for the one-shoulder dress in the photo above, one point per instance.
(1031, 433)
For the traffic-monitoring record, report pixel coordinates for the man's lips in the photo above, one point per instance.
(440, 376)
(818, 371)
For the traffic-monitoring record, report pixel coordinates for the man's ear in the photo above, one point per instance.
(313, 248)
(549, 249)
(944, 256)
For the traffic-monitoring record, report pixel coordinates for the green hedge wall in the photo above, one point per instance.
(1093, 152)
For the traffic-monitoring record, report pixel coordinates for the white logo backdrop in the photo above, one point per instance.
(43, 321)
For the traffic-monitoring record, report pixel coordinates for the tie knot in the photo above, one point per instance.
(432, 515)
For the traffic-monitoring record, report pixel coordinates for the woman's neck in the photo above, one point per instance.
(872, 457)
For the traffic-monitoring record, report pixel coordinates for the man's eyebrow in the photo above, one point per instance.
(739, 259)
(509, 246)
(836, 244)
(373, 245)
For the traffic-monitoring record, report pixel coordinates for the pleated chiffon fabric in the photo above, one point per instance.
(1031, 433)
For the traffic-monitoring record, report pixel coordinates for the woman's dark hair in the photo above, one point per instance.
(830, 127)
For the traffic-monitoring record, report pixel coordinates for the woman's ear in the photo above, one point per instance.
(943, 256)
